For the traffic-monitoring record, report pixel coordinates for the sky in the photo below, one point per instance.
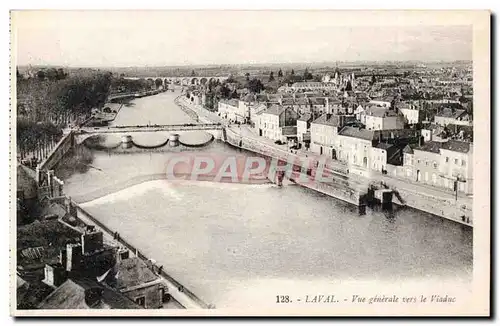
(164, 38)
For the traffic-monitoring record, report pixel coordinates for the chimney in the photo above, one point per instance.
(341, 121)
(55, 275)
(93, 296)
(122, 254)
(92, 241)
(71, 258)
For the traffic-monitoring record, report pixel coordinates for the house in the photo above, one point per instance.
(324, 132)
(410, 112)
(303, 129)
(273, 119)
(136, 280)
(382, 101)
(231, 110)
(456, 165)
(85, 293)
(452, 116)
(354, 148)
(425, 159)
(381, 118)
(385, 153)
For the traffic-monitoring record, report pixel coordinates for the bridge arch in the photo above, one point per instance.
(203, 81)
(195, 81)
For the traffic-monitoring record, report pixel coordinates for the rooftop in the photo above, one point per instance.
(130, 272)
(457, 146)
(328, 120)
(357, 133)
(85, 294)
(450, 113)
(431, 146)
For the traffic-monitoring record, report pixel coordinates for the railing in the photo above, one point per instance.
(141, 128)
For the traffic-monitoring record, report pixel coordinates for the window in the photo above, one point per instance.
(426, 162)
(463, 162)
(434, 164)
(141, 301)
(456, 161)
(447, 159)
(418, 161)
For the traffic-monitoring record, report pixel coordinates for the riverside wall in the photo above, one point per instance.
(340, 191)
(56, 154)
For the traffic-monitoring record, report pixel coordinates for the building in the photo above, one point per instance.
(382, 101)
(232, 110)
(134, 279)
(273, 119)
(383, 154)
(365, 150)
(452, 116)
(324, 132)
(84, 293)
(410, 112)
(303, 129)
(312, 86)
(441, 164)
(456, 165)
(381, 118)
(426, 159)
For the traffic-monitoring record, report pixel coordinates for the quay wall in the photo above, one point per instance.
(342, 192)
(82, 214)
(449, 209)
(56, 154)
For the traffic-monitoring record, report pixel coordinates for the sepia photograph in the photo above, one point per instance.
(250, 163)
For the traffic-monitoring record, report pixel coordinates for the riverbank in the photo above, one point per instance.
(435, 201)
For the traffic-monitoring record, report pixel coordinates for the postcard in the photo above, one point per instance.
(250, 163)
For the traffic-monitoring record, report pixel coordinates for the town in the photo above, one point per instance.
(405, 126)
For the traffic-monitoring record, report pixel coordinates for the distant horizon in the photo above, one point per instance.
(251, 64)
(118, 39)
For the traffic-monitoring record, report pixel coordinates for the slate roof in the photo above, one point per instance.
(380, 112)
(305, 117)
(275, 110)
(130, 272)
(431, 146)
(328, 120)
(357, 133)
(72, 295)
(450, 113)
(384, 146)
(456, 146)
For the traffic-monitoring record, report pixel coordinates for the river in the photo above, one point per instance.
(237, 245)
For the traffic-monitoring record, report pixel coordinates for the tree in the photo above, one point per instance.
(271, 76)
(247, 76)
(280, 73)
(307, 75)
(374, 80)
(348, 87)
(292, 72)
(40, 74)
(193, 73)
(255, 85)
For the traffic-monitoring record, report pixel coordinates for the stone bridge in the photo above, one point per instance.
(185, 81)
(85, 132)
